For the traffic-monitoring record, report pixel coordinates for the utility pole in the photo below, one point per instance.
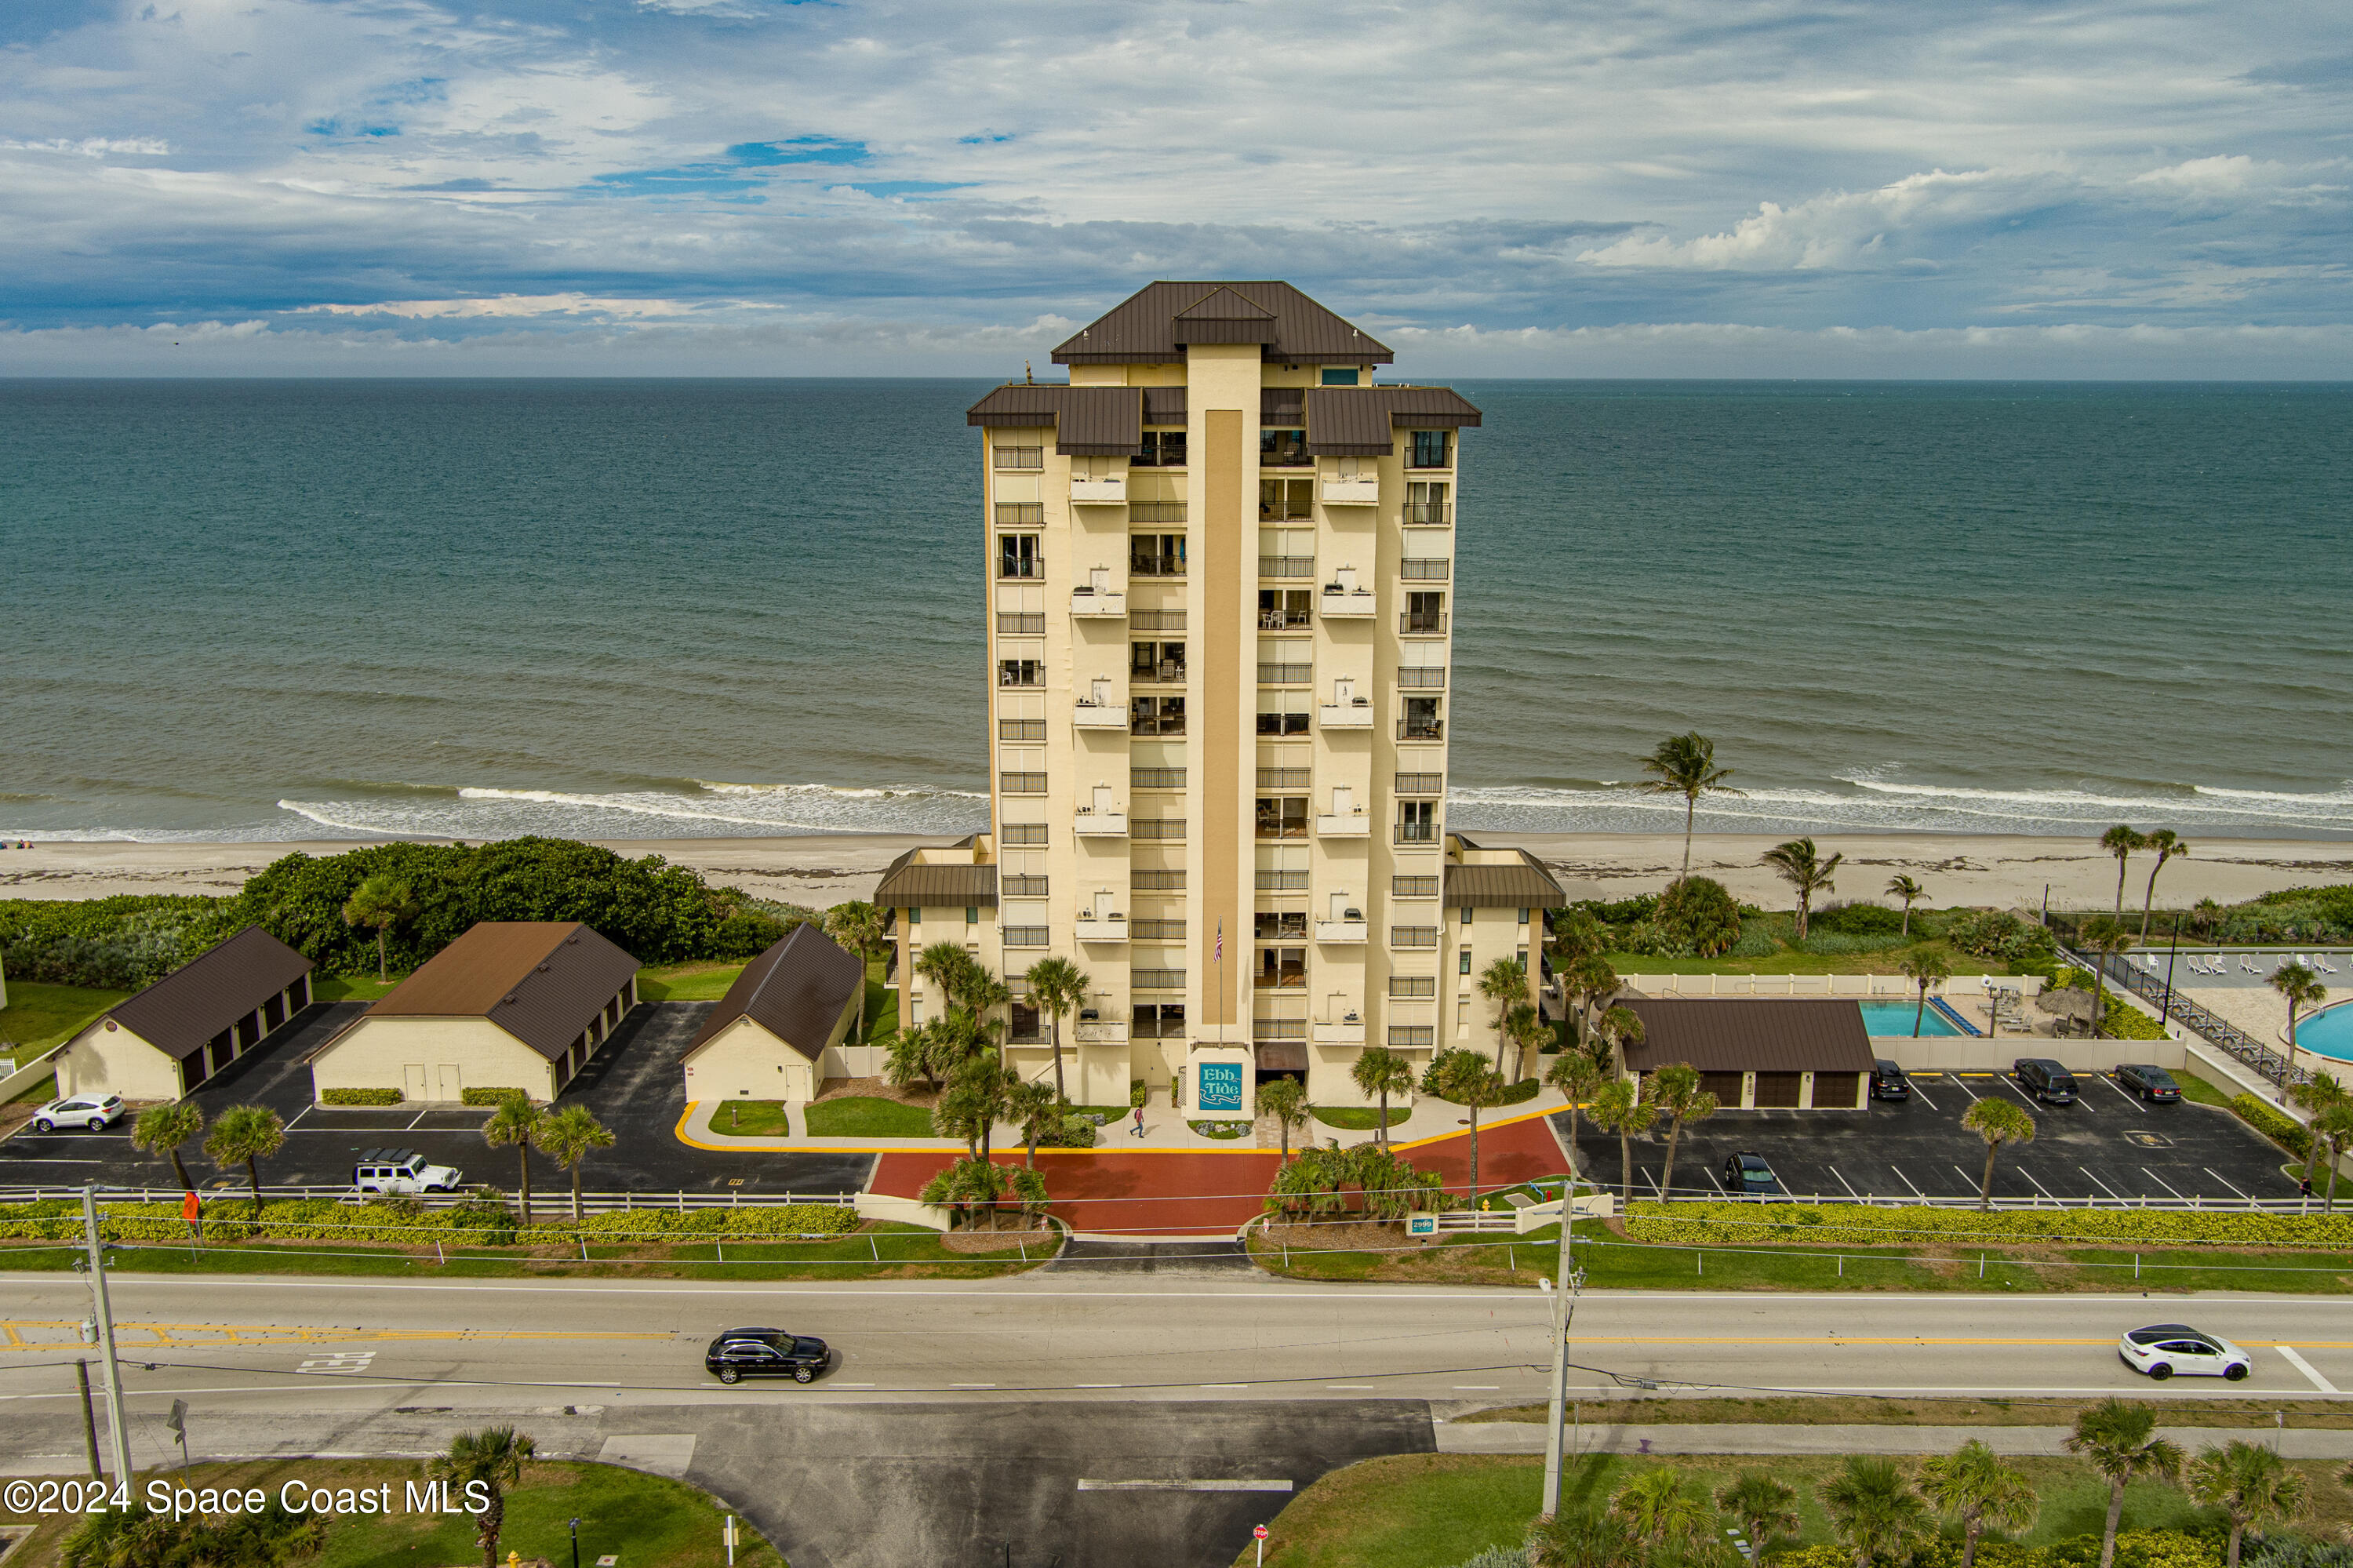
(118, 1434)
(1564, 1308)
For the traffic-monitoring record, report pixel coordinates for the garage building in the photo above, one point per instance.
(771, 1036)
(187, 1026)
(509, 1005)
(1758, 1054)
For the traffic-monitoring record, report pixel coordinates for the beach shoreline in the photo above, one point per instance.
(819, 870)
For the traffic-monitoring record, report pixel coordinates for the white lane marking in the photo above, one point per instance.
(2307, 1368)
(1906, 1180)
(2219, 1177)
(1965, 1088)
(1222, 1385)
(972, 1385)
(1477, 1387)
(850, 1385)
(2103, 1186)
(1845, 1184)
(1360, 1387)
(1090, 1486)
(2038, 1187)
(1097, 1385)
(1925, 1100)
(2161, 1181)
(2003, 1079)
(2133, 1101)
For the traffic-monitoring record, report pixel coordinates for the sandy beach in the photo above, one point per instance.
(821, 870)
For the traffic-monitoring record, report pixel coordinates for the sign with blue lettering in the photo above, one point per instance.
(1422, 1224)
(1221, 1086)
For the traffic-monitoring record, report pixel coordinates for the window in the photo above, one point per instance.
(1156, 621)
(1020, 623)
(1021, 514)
(1021, 456)
(1524, 915)
(1281, 448)
(1156, 930)
(1165, 880)
(1427, 448)
(1421, 677)
(1283, 712)
(1020, 729)
(1286, 552)
(1017, 556)
(1425, 504)
(1281, 498)
(1279, 925)
(1159, 979)
(1467, 910)
(1020, 672)
(1416, 822)
(1024, 887)
(1283, 778)
(1421, 783)
(1278, 1029)
(1281, 969)
(1462, 963)
(1412, 1036)
(1285, 661)
(1155, 660)
(1282, 816)
(1158, 1019)
(1155, 555)
(1171, 829)
(1281, 608)
(1161, 449)
(1412, 988)
(1021, 783)
(1025, 936)
(1156, 778)
(1281, 879)
(1424, 614)
(1334, 377)
(1024, 835)
(972, 913)
(1412, 937)
(1025, 1024)
(1420, 721)
(1156, 716)
(1411, 887)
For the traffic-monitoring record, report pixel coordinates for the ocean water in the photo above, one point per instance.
(641, 608)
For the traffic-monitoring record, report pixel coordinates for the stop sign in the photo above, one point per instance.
(1258, 1533)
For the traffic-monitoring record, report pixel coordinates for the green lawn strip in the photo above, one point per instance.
(687, 982)
(1434, 1510)
(864, 1115)
(38, 1016)
(750, 1119)
(1357, 1118)
(648, 1521)
(2198, 1089)
(350, 988)
(1861, 1410)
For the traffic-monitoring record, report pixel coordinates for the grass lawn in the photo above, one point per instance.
(350, 988)
(687, 982)
(864, 1115)
(753, 1118)
(1433, 1510)
(1357, 1118)
(1789, 962)
(1859, 1410)
(38, 1016)
(2194, 1087)
(648, 1521)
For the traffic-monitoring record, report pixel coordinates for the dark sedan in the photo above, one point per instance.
(740, 1353)
(2150, 1083)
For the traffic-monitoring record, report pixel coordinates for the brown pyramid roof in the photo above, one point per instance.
(542, 981)
(1154, 325)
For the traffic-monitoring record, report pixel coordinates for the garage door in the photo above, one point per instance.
(1778, 1088)
(1725, 1086)
(1839, 1091)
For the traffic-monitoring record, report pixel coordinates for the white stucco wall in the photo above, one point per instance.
(113, 1061)
(746, 1061)
(431, 1059)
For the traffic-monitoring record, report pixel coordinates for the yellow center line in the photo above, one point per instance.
(202, 1335)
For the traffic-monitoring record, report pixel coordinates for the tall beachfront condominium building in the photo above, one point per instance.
(1219, 572)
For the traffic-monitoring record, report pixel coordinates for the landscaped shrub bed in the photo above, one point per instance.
(484, 1097)
(2135, 1548)
(2281, 1128)
(1859, 1224)
(475, 1223)
(360, 1098)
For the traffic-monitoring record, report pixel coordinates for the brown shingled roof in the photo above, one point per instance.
(798, 991)
(1527, 885)
(1749, 1034)
(186, 1008)
(542, 981)
(1090, 421)
(1154, 325)
(1362, 421)
(908, 885)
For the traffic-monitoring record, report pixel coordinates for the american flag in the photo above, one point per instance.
(1221, 942)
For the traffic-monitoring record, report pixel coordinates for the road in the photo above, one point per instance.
(963, 1416)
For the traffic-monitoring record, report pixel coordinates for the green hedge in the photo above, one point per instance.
(360, 1098)
(480, 1096)
(2281, 1128)
(475, 1224)
(1859, 1224)
(2135, 1548)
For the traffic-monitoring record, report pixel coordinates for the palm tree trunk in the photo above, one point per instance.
(1906, 932)
(1691, 806)
(2115, 1513)
(185, 1185)
(1667, 1177)
(522, 1161)
(1625, 1170)
(2148, 898)
(1474, 1153)
(1060, 1096)
(2120, 915)
(380, 972)
(494, 1518)
(861, 993)
(1382, 1136)
(1921, 1016)
(1969, 1543)
(576, 1192)
(1985, 1187)
(1802, 901)
(253, 1174)
(2237, 1530)
(2099, 992)
(1030, 1133)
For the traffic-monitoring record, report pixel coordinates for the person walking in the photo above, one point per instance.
(192, 1210)
(1139, 1121)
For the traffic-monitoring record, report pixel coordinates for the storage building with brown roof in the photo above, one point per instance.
(776, 1034)
(509, 1005)
(1759, 1052)
(183, 1030)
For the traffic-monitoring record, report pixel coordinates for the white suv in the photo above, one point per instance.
(399, 1172)
(80, 1110)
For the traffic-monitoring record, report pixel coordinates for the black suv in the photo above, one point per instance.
(740, 1353)
(1748, 1176)
(2046, 1080)
(1888, 1082)
(2153, 1084)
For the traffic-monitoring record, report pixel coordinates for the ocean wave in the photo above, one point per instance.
(487, 811)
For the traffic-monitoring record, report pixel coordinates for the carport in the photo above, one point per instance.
(1759, 1052)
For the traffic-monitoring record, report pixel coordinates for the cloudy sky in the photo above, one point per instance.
(1810, 187)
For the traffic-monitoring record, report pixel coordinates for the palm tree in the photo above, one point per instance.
(1680, 1098)
(858, 925)
(519, 1123)
(1998, 1122)
(1569, 1540)
(1465, 1078)
(2120, 842)
(163, 1129)
(2300, 988)
(1685, 764)
(984, 994)
(1381, 1072)
(1925, 969)
(1579, 1078)
(381, 902)
(492, 1458)
(1505, 983)
(247, 1133)
(2106, 938)
(1763, 1509)
(2247, 1484)
(1592, 982)
(2316, 1095)
(1057, 986)
(1618, 1028)
(1033, 1107)
(1619, 1108)
(567, 1137)
(1875, 1512)
(2121, 1443)
(1800, 866)
(1575, 935)
(1285, 1100)
(2335, 1125)
(1976, 1487)
(1664, 1511)
(2167, 844)
(1525, 1028)
(1910, 891)
(983, 1092)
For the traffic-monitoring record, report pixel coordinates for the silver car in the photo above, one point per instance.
(92, 1111)
(2162, 1350)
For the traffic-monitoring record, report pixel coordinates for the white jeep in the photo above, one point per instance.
(397, 1172)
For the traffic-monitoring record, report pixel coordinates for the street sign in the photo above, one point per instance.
(1258, 1533)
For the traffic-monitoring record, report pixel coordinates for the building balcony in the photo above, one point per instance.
(1102, 490)
(1098, 1032)
(1427, 623)
(1357, 715)
(1430, 513)
(1363, 490)
(1099, 715)
(1091, 823)
(1351, 931)
(1356, 825)
(1346, 1031)
(1089, 601)
(1339, 602)
(1094, 927)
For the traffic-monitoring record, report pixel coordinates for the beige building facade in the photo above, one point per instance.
(778, 1033)
(1220, 590)
(182, 1030)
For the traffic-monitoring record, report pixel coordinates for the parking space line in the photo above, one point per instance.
(2217, 1175)
(1965, 1088)
(298, 1117)
(1924, 1098)
(1906, 1180)
(1965, 1177)
(2038, 1187)
(1653, 1180)
(2161, 1181)
(2103, 1186)
(2027, 1099)
(1844, 1182)
(421, 1115)
(2307, 1368)
(2110, 1080)
(1717, 1179)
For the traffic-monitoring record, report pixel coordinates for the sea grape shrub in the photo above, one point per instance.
(1694, 919)
(120, 943)
(1858, 920)
(1999, 934)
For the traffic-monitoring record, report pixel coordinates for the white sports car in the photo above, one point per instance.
(2162, 1350)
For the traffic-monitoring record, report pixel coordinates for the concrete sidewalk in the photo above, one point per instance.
(1528, 1437)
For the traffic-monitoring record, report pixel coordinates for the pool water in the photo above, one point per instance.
(1895, 1018)
(2328, 1032)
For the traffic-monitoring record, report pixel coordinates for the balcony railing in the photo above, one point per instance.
(1155, 779)
(1099, 1032)
(1145, 723)
(1286, 566)
(1026, 569)
(1413, 939)
(1412, 1036)
(1087, 601)
(1156, 621)
(1279, 722)
(1272, 675)
(1343, 931)
(1421, 729)
(1090, 823)
(1014, 886)
(1099, 715)
(1356, 824)
(1098, 490)
(1417, 832)
(1413, 888)
(1020, 729)
(1155, 566)
(1156, 930)
(1342, 1032)
(1338, 601)
(1425, 623)
(1165, 828)
(1281, 620)
(1027, 936)
(1282, 881)
(1093, 928)
(1278, 1029)
(1430, 513)
(1426, 568)
(1016, 623)
(1170, 672)
(1357, 715)
(1155, 512)
(1021, 783)
(1363, 490)
(1285, 777)
(1422, 678)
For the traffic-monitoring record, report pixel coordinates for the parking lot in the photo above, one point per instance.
(633, 1085)
(2108, 1145)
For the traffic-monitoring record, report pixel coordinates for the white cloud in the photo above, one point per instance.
(94, 146)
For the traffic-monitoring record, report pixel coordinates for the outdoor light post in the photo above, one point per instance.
(2172, 949)
(576, 1543)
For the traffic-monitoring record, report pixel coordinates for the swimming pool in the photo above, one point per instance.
(1895, 1018)
(2328, 1032)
